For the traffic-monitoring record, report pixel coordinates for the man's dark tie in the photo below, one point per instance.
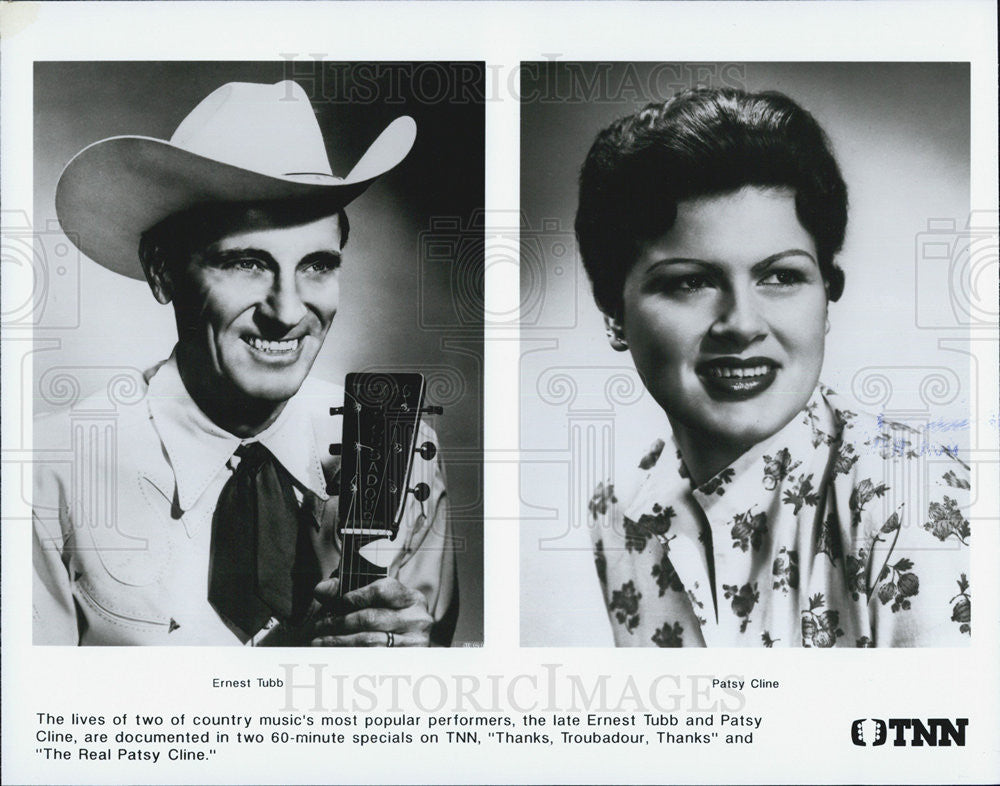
(263, 562)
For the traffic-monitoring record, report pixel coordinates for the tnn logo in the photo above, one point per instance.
(909, 731)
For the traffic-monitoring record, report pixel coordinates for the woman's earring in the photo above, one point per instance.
(618, 343)
(615, 337)
(827, 325)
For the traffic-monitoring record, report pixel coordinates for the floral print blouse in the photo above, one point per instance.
(842, 530)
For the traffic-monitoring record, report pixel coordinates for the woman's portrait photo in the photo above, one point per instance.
(758, 425)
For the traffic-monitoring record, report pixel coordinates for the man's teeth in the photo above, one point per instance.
(273, 346)
(732, 371)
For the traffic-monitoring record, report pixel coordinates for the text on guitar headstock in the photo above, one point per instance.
(381, 416)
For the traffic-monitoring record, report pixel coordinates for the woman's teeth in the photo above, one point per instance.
(731, 371)
(273, 346)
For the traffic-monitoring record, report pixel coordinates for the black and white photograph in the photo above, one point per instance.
(234, 245)
(765, 404)
(499, 392)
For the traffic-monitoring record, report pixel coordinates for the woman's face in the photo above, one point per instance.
(725, 316)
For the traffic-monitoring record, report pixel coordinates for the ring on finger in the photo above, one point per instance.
(390, 639)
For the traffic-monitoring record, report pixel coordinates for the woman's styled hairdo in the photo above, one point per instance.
(700, 143)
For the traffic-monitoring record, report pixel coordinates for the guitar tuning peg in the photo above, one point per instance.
(432, 410)
(420, 492)
(336, 410)
(427, 451)
(335, 449)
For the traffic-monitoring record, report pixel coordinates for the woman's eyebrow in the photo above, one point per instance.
(757, 266)
(680, 261)
(791, 252)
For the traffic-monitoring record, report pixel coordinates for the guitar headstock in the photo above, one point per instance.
(381, 415)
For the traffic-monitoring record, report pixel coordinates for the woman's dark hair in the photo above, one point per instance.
(700, 143)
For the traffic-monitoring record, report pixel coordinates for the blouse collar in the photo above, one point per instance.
(750, 479)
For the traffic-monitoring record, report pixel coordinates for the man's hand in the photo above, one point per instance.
(383, 613)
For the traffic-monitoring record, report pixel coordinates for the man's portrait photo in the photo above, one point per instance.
(228, 247)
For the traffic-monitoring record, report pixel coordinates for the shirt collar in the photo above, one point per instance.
(745, 481)
(198, 449)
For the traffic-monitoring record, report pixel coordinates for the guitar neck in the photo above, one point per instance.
(381, 417)
(355, 570)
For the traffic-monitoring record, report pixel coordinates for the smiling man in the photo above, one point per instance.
(216, 523)
(252, 306)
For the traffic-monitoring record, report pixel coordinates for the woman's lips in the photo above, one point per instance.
(737, 379)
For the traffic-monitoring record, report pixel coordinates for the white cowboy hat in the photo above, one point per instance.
(244, 142)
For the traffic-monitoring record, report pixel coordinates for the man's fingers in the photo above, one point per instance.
(370, 639)
(381, 614)
(326, 590)
(412, 618)
(385, 593)
(358, 621)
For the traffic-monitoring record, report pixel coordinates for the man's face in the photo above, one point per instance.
(254, 306)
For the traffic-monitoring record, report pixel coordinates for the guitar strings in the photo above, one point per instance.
(351, 556)
(349, 515)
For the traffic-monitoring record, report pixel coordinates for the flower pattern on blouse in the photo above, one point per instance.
(666, 577)
(603, 496)
(625, 605)
(669, 635)
(717, 485)
(820, 627)
(653, 455)
(601, 563)
(835, 532)
(778, 468)
(649, 525)
(946, 521)
(749, 530)
(961, 612)
(744, 599)
(785, 571)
